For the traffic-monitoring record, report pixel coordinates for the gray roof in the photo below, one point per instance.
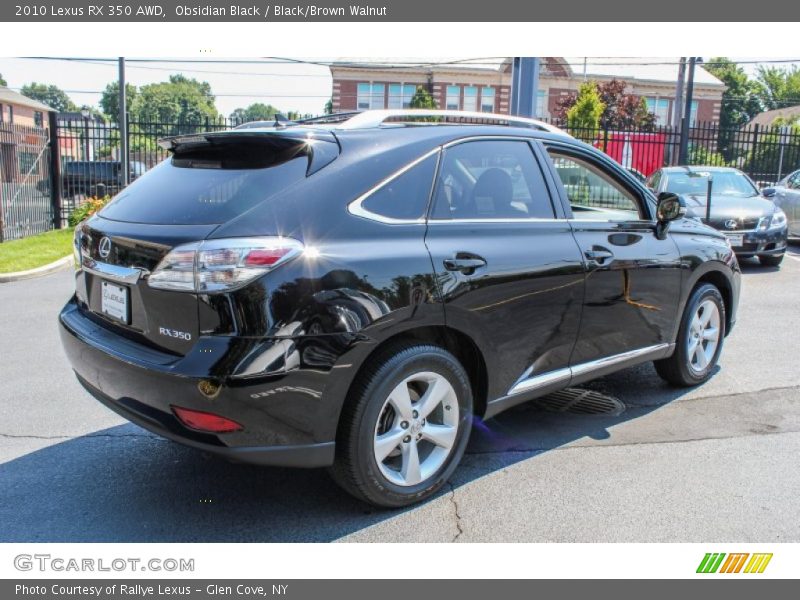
(8, 96)
(769, 116)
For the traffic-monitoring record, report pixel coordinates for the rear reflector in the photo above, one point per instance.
(205, 421)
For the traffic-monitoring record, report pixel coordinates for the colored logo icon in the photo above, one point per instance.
(737, 562)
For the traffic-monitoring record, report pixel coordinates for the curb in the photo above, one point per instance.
(38, 271)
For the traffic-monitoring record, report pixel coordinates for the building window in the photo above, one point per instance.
(470, 98)
(2, 116)
(541, 104)
(10, 114)
(660, 108)
(487, 99)
(370, 96)
(400, 95)
(38, 119)
(693, 114)
(453, 97)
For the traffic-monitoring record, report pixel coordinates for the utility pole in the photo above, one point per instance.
(683, 156)
(677, 106)
(123, 125)
(524, 86)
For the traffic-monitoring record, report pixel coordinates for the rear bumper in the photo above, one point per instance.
(308, 455)
(285, 420)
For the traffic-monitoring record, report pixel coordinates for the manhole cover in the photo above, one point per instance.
(581, 402)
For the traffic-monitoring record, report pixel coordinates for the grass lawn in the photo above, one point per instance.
(35, 251)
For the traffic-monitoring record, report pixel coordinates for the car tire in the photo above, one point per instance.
(770, 260)
(379, 419)
(698, 346)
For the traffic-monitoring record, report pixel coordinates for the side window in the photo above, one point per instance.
(491, 180)
(406, 196)
(794, 182)
(592, 193)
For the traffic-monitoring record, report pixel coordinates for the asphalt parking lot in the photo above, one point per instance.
(716, 463)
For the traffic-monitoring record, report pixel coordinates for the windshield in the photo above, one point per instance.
(726, 183)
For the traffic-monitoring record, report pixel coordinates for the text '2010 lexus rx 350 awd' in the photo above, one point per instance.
(352, 292)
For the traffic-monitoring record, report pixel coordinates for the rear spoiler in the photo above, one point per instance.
(320, 146)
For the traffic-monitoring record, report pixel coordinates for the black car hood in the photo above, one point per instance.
(724, 206)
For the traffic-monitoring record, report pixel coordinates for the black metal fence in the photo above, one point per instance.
(766, 154)
(25, 202)
(88, 162)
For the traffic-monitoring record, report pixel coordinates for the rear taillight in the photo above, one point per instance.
(221, 265)
(205, 421)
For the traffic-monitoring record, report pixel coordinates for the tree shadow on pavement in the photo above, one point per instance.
(124, 484)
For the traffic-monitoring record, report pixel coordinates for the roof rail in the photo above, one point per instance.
(375, 118)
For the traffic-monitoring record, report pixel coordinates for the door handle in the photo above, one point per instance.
(599, 256)
(466, 265)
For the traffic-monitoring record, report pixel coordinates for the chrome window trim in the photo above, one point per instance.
(355, 207)
(527, 383)
(498, 220)
(127, 275)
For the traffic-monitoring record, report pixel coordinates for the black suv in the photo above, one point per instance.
(352, 292)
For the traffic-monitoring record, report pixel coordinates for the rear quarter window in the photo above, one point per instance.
(406, 196)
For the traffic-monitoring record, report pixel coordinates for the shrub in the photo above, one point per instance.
(700, 155)
(86, 209)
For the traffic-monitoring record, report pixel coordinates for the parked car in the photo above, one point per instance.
(786, 195)
(81, 177)
(352, 295)
(753, 224)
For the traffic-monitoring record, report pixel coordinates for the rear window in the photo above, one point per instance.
(204, 188)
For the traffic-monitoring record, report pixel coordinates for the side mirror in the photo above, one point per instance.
(768, 192)
(670, 207)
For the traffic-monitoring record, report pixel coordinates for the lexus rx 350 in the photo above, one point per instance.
(352, 292)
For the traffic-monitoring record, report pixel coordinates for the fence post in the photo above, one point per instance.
(55, 170)
(754, 150)
(605, 139)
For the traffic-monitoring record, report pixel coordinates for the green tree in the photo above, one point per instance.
(422, 99)
(620, 110)
(109, 102)
(255, 112)
(2, 81)
(180, 105)
(740, 103)
(778, 87)
(51, 95)
(583, 117)
(329, 107)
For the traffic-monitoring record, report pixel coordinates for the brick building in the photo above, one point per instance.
(485, 84)
(17, 109)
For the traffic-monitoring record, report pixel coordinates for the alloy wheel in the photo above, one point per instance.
(703, 336)
(416, 429)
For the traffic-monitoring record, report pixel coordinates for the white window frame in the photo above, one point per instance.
(483, 105)
(448, 96)
(371, 96)
(470, 98)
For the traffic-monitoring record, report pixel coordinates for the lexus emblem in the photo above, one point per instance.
(731, 224)
(104, 248)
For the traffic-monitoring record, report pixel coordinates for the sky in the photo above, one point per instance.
(304, 88)
(287, 86)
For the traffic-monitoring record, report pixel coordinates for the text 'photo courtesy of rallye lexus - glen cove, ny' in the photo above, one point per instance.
(352, 291)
